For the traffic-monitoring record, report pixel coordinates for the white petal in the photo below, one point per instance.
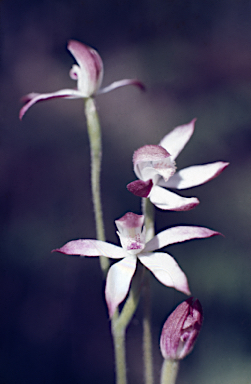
(33, 98)
(166, 270)
(175, 141)
(118, 282)
(122, 83)
(177, 235)
(167, 200)
(195, 175)
(92, 248)
(90, 73)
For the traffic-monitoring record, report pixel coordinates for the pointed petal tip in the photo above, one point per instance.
(189, 206)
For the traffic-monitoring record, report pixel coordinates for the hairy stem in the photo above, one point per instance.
(120, 324)
(169, 371)
(148, 211)
(94, 133)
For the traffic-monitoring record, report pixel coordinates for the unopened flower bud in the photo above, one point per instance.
(181, 329)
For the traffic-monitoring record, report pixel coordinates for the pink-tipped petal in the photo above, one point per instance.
(150, 153)
(195, 175)
(33, 98)
(118, 282)
(122, 83)
(175, 141)
(177, 235)
(91, 65)
(92, 248)
(140, 188)
(167, 200)
(128, 221)
(166, 270)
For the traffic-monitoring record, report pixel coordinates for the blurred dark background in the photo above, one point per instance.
(195, 59)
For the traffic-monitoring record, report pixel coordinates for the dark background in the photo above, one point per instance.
(195, 59)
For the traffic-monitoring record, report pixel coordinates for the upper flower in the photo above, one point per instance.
(89, 75)
(181, 330)
(134, 247)
(154, 165)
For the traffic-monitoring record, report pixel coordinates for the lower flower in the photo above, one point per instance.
(133, 248)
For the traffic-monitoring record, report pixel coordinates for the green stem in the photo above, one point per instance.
(120, 323)
(148, 211)
(94, 133)
(147, 336)
(169, 371)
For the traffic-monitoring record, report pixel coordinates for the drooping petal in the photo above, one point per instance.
(195, 175)
(177, 235)
(140, 188)
(166, 270)
(130, 232)
(90, 75)
(167, 200)
(121, 83)
(175, 140)
(118, 282)
(33, 98)
(92, 248)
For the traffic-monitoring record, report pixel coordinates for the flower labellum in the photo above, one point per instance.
(155, 167)
(134, 247)
(181, 330)
(88, 72)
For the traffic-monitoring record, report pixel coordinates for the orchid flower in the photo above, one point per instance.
(133, 247)
(89, 75)
(154, 165)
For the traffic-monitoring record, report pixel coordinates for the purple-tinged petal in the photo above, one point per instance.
(122, 83)
(150, 153)
(33, 98)
(118, 282)
(128, 221)
(166, 270)
(195, 175)
(175, 141)
(181, 330)
(177, 235)
(140, 188)
(130, 232)
(92, 248)
(167, 200)
(152, 161)
(90, 75)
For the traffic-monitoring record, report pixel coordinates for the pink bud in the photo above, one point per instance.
(181, 330)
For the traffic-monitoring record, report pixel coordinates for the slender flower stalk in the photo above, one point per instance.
(94, 133)
(120, 323)
(148, 211)
(169, 371)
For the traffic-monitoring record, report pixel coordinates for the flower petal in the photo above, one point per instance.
(140, 188)
(152, 161)
(122, 83)
(118, 282)
(130, 232)
(91, 75)
(92, 248)
(166, 270)
(175, 141)
(195, 175)
(167, 200)
(177, 235)
(33, 98)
